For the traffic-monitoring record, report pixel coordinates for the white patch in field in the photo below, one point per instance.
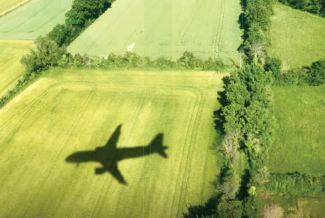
(130, 47)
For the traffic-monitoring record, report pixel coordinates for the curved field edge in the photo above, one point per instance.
(76, 110)
(165, 28)
(33, 19)
(7, 6)
(297, 37)
(11, 52)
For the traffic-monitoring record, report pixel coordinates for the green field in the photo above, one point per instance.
(167, 28)
(300, 134)
(71, 111)
(6, 5)
(35, 18)
(11, 51)
(297, 37)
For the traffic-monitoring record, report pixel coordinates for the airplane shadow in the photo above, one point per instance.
(109, 155)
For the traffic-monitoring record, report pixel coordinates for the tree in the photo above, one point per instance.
(231, 144)
(230, 187)
(230, 209)
(46, 55)
(316, 73)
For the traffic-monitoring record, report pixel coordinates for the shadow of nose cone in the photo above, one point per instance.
(73, 158)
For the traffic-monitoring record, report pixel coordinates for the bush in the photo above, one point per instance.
(313, 75)
(316, 73)
(274, 65)
(230, 209)
(296, 184)
(247, 108)
(257, 14)
(313, 6)
(47, 54)
(81, 15)
(252, 207)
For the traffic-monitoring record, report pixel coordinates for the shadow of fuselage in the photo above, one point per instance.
(109, 155)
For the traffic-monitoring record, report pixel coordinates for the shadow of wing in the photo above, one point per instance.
(117, 174)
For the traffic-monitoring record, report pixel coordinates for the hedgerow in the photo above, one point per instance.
(313, 75)
(81, 15)
(312, 6)
(296, 184)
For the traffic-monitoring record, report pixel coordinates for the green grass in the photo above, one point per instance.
(308, 207)
(35, 18)
(71, 110)
(297, 37)
(300, 134)
(11, 51)
(167, 28)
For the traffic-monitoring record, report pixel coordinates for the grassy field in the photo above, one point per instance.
(297, 37)
(167, 28)
(70, 111)
(35, 18)
(6, 5)
(300, 134)
(11, 52)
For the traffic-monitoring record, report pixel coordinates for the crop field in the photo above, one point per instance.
(297, 37)
(6, 5)
(167, 28)
(35, 18)
(11, 51)
(300, 133)
(49, 163)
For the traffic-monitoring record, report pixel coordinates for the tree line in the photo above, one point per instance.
(247, 124)
(312, 6)
(81, 15)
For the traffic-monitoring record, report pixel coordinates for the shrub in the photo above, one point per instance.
(296, 184)
(47, 54)
(230, 209)
(316, 73)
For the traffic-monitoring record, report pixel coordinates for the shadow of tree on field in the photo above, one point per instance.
(109, 155)
(206, 210)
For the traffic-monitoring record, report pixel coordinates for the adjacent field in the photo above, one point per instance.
(297, 37)
(6, 5)
(11, 51)
(167, 28)
(35, 18)
(300, 134)
(78, 110)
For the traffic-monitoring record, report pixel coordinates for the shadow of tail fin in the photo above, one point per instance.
(157, 145)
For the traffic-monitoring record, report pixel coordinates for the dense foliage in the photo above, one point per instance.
(82, 14)
(313, 75)
(47, 54)
(248, 109)
(257, 14)
(296, 184)
(313, 6)
(133, 61)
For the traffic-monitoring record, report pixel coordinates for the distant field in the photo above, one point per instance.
(297, 37)
(300, 134)
(11, 51)
(78, 110)
(167, 28)
(35, 18)
(6, 5)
